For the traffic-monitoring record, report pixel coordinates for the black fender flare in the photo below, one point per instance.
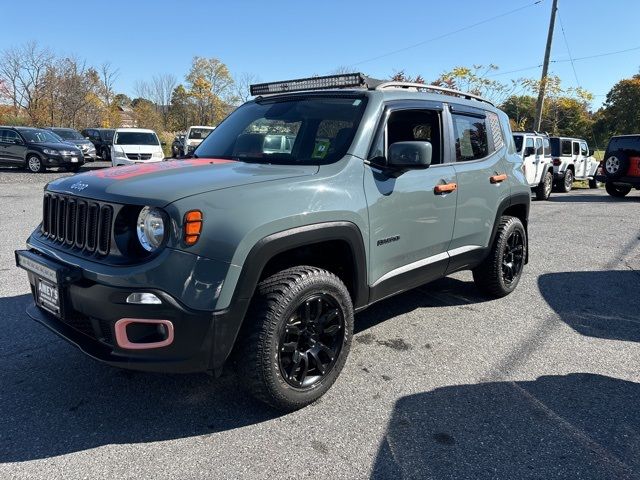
(523, 199)
(227, 323)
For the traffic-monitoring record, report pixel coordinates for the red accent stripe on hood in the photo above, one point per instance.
(129, 171)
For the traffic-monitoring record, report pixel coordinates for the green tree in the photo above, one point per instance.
(620, 113)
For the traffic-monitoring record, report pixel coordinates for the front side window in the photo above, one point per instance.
(576, 148)
(547, 147)
(584, 150)
(471, 137)
(411, 126)
(106, 135)
(539, 146)
(301, 130)
(136, 138)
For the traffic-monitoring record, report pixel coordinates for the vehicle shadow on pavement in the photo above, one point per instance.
(601, 304)
(446, 291)
(591, 198)
(575, 426)
(54, 400)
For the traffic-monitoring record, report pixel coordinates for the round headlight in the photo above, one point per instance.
(150, 228)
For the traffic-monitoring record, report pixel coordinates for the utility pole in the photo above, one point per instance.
(545, 68)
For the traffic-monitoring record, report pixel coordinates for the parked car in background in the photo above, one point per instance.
(535, 149)
(194, 137)
(101, 139)
(572, 160)
(36, 149)
(135, 145)
(621, 165)
(74, 137)
(177, 147)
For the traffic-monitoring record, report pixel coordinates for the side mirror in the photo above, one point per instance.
(87, 138)
(163, 143)
(403, 156)
(529, 151)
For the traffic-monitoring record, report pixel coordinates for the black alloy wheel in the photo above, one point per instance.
(310, 341)
(513, 257)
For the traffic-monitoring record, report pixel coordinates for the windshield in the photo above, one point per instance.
(40, 136)
(518, 140)
(303, 130)
(136, 138)
(68, 134)
(199, 133)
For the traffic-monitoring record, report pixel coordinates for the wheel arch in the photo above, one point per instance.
(518, 206)
(346, 243)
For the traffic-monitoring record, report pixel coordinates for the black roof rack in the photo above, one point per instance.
(352, 80)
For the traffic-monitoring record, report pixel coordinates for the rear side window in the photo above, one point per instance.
(517, 139)
(496, 131)
(471, 137)
(566, 148)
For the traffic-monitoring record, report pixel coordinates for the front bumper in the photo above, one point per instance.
(90, 310)
(63, 160)
(126, 161)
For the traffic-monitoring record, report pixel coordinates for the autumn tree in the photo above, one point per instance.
(211, 86)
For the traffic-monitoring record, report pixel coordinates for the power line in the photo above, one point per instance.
(599, 55)
(566, 44)
(448, 34)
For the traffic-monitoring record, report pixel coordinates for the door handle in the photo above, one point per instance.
(445, 188)
(498, 178)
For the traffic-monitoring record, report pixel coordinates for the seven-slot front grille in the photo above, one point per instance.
(77, 223)
(138, 156)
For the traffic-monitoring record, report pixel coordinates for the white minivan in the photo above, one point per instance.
(135, 145)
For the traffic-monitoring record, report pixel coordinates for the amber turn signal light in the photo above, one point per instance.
(192, 226)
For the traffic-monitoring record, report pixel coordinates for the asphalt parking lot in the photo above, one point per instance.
(440, 382)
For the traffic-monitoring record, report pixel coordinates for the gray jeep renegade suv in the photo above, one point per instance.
(263, 254)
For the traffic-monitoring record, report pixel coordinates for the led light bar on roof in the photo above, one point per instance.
(313, 83)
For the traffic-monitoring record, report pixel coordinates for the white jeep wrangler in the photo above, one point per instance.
(535, 150)
(572, 160)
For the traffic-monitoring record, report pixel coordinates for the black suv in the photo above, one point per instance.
(621, 165)
(36, 149)
(102, 139)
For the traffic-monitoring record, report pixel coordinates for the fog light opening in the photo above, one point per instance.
(139, 333)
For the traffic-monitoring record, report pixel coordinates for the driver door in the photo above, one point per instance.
(411, 217)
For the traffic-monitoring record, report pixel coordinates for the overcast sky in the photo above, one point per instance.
(288, 39)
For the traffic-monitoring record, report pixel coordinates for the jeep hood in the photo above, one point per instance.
(161, 183)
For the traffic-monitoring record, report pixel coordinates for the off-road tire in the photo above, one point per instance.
(256, 354)
(566, 184)
(543, 190)
(488, 276)
(616, 164)
(105, 155)
(32, 161)
(617, 191)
